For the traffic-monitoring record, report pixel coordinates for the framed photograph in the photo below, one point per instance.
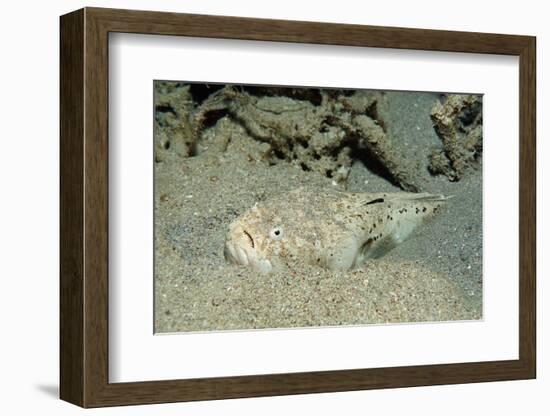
(255, 207)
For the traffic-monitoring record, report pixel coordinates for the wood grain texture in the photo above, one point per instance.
(227, 27)
(96, 208)
(527, 208)
(84, 207)
(71, 158)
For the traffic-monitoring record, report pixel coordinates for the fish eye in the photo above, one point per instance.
(276, 233)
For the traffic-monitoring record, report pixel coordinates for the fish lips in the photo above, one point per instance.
(240, 249)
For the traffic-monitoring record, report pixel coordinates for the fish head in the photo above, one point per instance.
(255, 239)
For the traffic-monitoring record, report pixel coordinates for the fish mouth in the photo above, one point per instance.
(241, 248)
(250, 239)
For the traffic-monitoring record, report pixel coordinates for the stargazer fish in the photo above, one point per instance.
(332, 229)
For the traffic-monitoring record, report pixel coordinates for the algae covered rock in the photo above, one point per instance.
(323, 132)
(458, 122)
(172, 130)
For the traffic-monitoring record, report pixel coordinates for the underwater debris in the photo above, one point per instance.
(376, 142)
(172, 129)
(292, 129)
(458, 122)
(317, 132)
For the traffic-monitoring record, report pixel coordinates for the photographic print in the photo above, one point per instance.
(294, 207)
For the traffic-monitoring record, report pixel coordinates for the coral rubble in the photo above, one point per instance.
(458, 122)
(318, 132)
(173, 133)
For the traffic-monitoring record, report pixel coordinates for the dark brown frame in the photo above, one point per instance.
(84, 207)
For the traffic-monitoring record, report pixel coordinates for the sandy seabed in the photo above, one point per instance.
(434, 276)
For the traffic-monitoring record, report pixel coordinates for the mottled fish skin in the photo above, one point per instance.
(332, 229)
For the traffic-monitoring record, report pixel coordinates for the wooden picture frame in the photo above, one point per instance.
(84, 207)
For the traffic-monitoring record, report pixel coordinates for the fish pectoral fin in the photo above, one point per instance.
(372, 249)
